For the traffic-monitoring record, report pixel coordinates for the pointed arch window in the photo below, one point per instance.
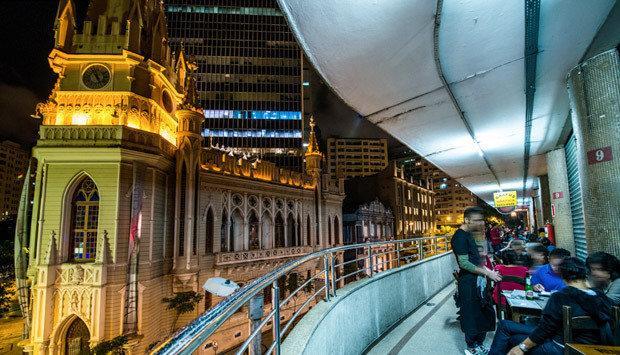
(254, 238)
(279, 231)
(329, 231)
(209, 232)
(336, 230)
(308, 236)
(223, 230)
(84, 221)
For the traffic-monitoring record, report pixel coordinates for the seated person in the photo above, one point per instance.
(605, 274)
(517, 245)
(512, 265)
(547, 244)
(538, 254)
(547, 278)
(547, 337)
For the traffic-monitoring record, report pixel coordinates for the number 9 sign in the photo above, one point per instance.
(599, 155)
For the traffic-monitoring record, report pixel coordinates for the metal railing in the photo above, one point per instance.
(327, 270)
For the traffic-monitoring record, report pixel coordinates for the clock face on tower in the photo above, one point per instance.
(96, 76)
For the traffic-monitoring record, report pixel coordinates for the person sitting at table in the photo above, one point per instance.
(604, 272)
(512, 266)
(547, 337)
(547, 277)
(517, 245)
(538, 254)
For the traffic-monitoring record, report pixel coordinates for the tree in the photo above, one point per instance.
(114, 346)
(293, 282)
(181, 303)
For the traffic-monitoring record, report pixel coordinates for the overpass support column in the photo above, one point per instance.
(545, 198)
(558, 184)
(594, 92)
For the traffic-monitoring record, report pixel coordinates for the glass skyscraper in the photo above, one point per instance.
(250, 75)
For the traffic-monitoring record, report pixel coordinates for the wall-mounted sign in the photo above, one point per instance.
(599, 155)
(505, 198)
(553, 210)
(557, 195)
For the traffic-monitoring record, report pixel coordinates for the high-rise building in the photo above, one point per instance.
(352, 157)
(13, 166)
(451, 197)
(250, 75)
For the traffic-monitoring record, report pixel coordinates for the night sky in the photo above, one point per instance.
(26, 38)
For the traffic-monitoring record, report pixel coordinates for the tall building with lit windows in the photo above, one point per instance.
(250, 75)
(452, 198)
(13, 165)
(351, 157)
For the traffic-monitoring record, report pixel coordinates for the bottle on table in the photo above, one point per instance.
(529, 291)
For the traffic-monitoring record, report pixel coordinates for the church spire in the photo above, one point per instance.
(313, 146)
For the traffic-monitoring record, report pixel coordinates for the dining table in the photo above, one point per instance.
(520, 306)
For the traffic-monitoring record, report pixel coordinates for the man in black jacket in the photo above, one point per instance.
(476, 316)
(546, 338)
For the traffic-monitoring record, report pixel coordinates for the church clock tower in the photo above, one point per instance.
(102, 238)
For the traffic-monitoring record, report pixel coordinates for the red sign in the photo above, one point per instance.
(599, 155)
(557, 195)
(553, 210)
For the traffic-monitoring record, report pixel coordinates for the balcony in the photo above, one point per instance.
(244, 256)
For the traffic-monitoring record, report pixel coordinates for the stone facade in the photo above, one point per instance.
(369, 222)
(128, 206)
(594, 92)
(412, 205)
(558, 183)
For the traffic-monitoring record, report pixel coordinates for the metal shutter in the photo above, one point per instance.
(576, 205)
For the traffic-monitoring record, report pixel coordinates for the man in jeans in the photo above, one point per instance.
(475, 317)
(547, 337)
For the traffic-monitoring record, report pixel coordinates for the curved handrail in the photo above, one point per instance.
(190, 337)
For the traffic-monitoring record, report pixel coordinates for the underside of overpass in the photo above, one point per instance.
(478, 88)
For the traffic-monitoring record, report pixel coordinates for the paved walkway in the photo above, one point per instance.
(432, 329)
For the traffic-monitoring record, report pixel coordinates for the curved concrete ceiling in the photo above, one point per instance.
(386, 60)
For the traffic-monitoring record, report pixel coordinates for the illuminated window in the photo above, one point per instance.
(84, 220)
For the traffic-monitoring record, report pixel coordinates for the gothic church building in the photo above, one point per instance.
(129, 207)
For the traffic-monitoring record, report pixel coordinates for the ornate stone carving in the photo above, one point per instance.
(254, 255)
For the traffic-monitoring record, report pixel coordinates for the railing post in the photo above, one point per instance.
(370, 263)
(420, 243)
(397, 254)
(275, 301)
(255, 313)
(332, 256)
(326, 271)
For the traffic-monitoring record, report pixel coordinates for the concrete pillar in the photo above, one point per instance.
(594, 92)
(558, 184)
(545, 199)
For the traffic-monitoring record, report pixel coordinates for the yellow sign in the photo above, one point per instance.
(505, 198)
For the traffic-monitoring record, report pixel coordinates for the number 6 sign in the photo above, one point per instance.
(599, 155)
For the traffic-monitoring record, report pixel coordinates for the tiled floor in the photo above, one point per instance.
(432, 329)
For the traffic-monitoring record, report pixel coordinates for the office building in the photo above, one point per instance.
(352, 157)
(13, 166)
(250, 75)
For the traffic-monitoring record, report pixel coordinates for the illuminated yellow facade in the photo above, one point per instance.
(129, 207)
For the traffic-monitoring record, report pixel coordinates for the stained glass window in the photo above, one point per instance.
(84, 219)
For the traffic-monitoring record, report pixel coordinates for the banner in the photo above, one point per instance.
(505, 198)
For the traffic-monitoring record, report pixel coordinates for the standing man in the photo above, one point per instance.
(475, 315)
